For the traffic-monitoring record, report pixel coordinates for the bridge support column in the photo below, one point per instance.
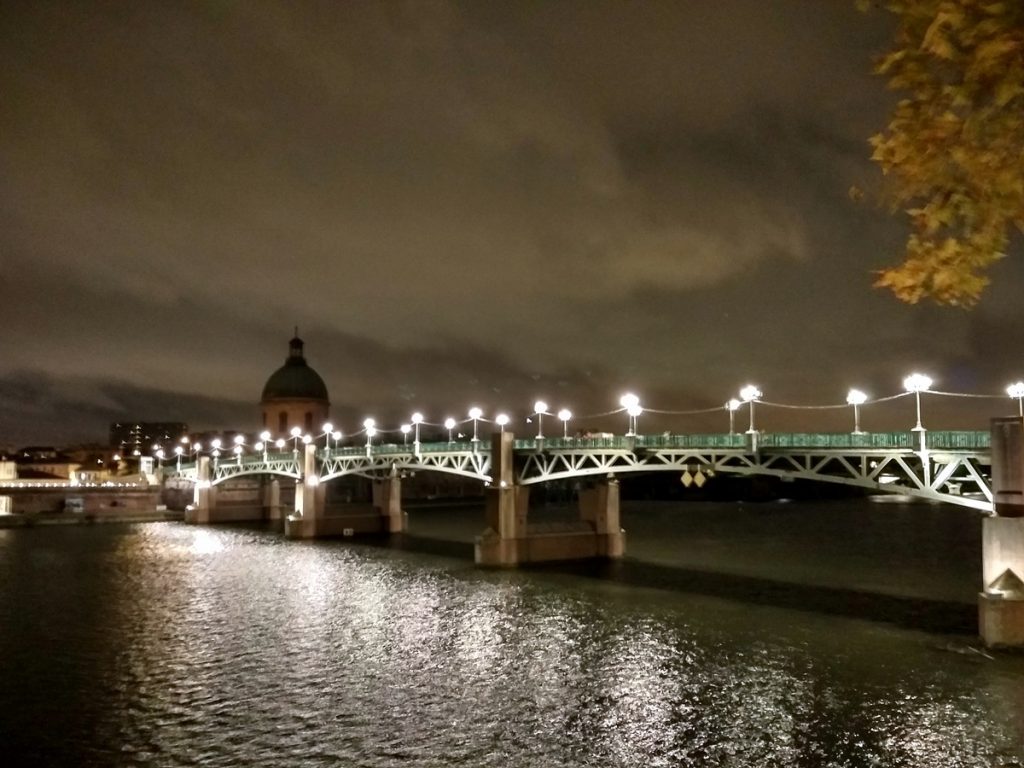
(204, 497)
(1001, 603)
(272, 499)
(307, 520)
(599, 506)
(503, 542)
(387, 500)
(510, 540)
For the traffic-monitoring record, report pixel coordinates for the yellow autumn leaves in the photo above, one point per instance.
(953, 152)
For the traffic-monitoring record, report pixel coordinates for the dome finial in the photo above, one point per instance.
(295, 346)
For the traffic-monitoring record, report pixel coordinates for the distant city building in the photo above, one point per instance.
(141, 436)
(43, 461)
(294, 396)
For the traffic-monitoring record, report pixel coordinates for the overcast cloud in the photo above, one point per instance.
(454, 202)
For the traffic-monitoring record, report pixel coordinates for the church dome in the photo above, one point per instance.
(295, 380)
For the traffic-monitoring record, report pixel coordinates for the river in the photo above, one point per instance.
(834, 633)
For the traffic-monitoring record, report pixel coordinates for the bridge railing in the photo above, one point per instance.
(978, 440)
(838, 440)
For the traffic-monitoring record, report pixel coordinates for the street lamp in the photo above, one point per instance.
(280, 443)
(631, 403)
(731, 407)
(502, 421)
(917, 383)
(406, 429)
(178, 450)
(1017, 390)
(296, 433)
(449, 424)
(370, 425)
(565, 414)
(328, 428)
(237, 450)
(539, 409)
(856, 398)
(750, 394)
(475, 413)
(417, 419)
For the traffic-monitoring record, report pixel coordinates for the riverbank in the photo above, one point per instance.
(30, 520)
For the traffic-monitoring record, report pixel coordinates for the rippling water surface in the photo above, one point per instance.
(730, 638)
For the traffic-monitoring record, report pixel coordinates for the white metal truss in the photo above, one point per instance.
(956, 476)
(474, 463)
(274, 465)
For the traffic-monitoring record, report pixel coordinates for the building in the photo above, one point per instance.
(294, 396)
(45, 462)
(130, 436)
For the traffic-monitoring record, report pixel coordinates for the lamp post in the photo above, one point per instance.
(475, 413)
(178, 450)
(502, 421)
(370, 425)
(336, 437)
(631, 404)
(449, 424)
(539, 409)
(731, 407)
(296, 433)
(417, 419)
(265, 441)
(1016, 390)
(917, 383)
(280, 443)
(237, 450)
(750, 394)
(565, 414)
(328, 428)
(159, 458)
(856, 398)
(406, 429)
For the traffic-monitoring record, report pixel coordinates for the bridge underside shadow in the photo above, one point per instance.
(938, 616)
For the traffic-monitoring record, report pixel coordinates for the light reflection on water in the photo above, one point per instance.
(169, 645)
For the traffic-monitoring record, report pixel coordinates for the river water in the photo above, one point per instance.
(825, 634)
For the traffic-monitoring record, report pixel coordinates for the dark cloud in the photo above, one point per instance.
(455, 202)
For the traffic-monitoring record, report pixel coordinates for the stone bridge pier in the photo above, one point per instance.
(510, 540)
(311, 518)
(1001, 602)
(204, 495)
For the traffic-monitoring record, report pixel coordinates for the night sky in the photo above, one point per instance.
(459, 203)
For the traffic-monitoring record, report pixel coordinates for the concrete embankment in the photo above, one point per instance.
(78, 518)
(76, 506)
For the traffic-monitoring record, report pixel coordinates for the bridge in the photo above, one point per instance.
(945, 466)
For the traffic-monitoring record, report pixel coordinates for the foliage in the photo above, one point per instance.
(953, 152)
